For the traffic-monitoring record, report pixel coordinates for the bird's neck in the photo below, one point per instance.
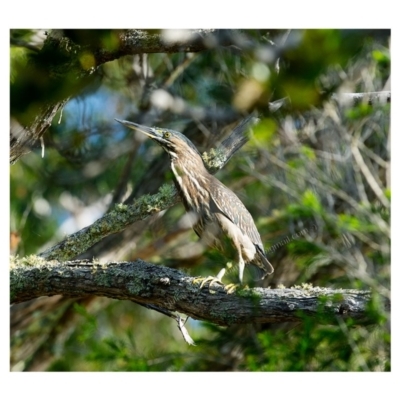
(190, 181)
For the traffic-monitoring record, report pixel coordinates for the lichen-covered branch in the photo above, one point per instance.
(171, 290)
(112, 222)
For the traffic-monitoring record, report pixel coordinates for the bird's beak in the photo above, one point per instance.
(150, 132)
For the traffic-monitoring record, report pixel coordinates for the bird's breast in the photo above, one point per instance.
(192, 189)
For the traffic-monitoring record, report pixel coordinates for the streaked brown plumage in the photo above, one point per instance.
(219, 214)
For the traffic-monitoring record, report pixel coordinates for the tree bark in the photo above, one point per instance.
(172, 290)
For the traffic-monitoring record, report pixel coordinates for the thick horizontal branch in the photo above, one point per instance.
(171, 290)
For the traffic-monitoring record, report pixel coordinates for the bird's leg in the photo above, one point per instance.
(221, 274)
(233, 286)
(241, 268)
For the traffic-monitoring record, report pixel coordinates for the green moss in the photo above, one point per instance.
(135, 288)
(121, 207)
(156, 202)
(28, 261)
(214, 159)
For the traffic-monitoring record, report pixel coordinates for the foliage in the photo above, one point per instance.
(315, 175)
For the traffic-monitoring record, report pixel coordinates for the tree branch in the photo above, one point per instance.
(171, 290)
(138, 41)
(114, 221)
(23, 139)
(370, 98)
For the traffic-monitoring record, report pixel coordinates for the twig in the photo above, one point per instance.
(367, 174)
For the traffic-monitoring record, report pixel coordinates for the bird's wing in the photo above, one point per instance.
(226, 202)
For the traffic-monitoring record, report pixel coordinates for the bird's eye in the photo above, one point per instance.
(166, 135)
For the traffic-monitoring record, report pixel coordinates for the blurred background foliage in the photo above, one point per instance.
(315, 175)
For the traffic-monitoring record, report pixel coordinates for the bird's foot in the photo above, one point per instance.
(232, 287)
(210, 280)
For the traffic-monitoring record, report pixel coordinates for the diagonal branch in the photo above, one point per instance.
(372, 181)
(112, 222)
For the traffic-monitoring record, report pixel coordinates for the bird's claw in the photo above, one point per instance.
(210, 279)
(231, 288)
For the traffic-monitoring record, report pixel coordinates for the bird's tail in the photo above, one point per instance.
(264, 265)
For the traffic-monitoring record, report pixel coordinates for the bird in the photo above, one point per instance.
(221, 219)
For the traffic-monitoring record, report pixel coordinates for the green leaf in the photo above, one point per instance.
(311, 200)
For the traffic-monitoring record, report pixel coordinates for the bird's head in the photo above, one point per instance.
(174, 143)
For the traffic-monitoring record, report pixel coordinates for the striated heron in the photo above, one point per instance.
(221, 218)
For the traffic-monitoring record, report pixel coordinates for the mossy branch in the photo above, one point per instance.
(112, 222)
(172, 290)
